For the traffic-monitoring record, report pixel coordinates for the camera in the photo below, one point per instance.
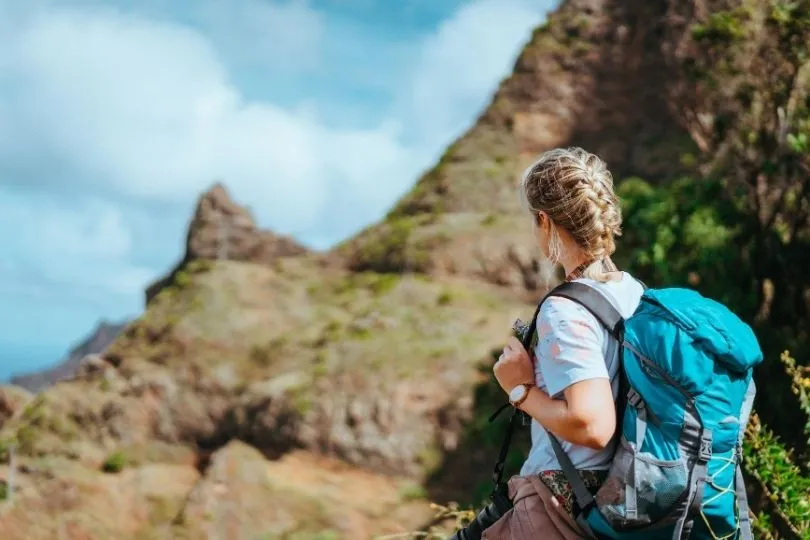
(523, 331)
(486, 518)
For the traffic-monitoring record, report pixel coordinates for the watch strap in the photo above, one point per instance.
(524, 397)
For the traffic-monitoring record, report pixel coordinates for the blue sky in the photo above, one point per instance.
(115, 115)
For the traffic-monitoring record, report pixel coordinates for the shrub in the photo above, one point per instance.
(785, 487)
(115, 462)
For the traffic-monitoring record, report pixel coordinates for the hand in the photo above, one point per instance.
(514, 366)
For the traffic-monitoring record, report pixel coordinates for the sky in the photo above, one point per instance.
(116, 115)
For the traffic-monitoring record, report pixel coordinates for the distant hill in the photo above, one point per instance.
(95, 343)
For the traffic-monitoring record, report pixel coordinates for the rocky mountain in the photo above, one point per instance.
(98, 340)
(596, 75)
(271, 392)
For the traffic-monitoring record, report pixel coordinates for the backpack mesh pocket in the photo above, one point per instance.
(656, 485)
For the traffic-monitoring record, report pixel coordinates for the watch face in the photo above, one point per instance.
(517, 393)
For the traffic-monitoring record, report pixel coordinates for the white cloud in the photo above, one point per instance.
(142, 111)
(45, 228)
(97, 232)
(80, 249)
(462, 63)
(146, 109)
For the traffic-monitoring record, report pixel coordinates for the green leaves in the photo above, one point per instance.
(769, 462)
(687, 233)
(798, 143)
(800, 385)
(722, 27)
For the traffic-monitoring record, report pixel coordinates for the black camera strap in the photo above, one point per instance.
(517, 415)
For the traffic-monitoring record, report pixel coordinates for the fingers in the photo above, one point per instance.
(508, 355)
(514, 343)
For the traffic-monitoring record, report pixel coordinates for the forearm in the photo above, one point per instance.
(573, 426)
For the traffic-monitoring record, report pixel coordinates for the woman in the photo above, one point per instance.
(572, 384)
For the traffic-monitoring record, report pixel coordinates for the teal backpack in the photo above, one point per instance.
(686, 392)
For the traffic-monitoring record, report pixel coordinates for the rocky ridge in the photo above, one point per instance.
(98, 340)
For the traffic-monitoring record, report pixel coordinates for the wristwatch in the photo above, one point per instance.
(519, 394)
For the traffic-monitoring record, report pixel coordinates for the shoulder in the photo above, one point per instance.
(625, 294)
(560, 315)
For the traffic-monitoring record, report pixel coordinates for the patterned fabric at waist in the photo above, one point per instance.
(559, 486)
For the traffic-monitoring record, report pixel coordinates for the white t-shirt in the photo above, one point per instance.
(573, 346)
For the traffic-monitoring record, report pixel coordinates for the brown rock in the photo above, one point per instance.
(77, 503)
(223, 230)
(301, 495)
(12, 400)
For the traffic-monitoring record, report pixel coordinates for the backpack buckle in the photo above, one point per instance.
(705, 452)
(633, 398)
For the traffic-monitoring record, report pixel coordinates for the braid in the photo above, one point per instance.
(575, 189)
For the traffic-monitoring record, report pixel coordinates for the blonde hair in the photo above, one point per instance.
(575, 189)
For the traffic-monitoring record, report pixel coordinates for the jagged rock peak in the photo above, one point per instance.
(222, 229)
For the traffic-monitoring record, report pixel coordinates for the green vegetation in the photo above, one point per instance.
(412, 491)
(394, 247)
(34, 423)
(785, 487)
(737, 226)
(265, 354)
(115, 462)
(444, 298)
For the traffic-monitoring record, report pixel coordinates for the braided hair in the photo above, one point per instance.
(575, 189)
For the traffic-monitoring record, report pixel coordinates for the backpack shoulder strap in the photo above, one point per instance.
(595, 302)
(610, 318)
(589, 298)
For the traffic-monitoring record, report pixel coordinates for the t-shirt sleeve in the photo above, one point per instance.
(569, 345)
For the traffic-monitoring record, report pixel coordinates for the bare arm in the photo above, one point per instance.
(587, 417)
(571, 359)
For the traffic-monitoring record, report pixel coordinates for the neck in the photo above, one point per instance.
(569, 264)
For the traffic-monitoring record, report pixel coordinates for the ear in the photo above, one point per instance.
(540, 218)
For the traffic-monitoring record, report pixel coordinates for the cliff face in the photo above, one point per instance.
(364, 380)
(594, 75)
